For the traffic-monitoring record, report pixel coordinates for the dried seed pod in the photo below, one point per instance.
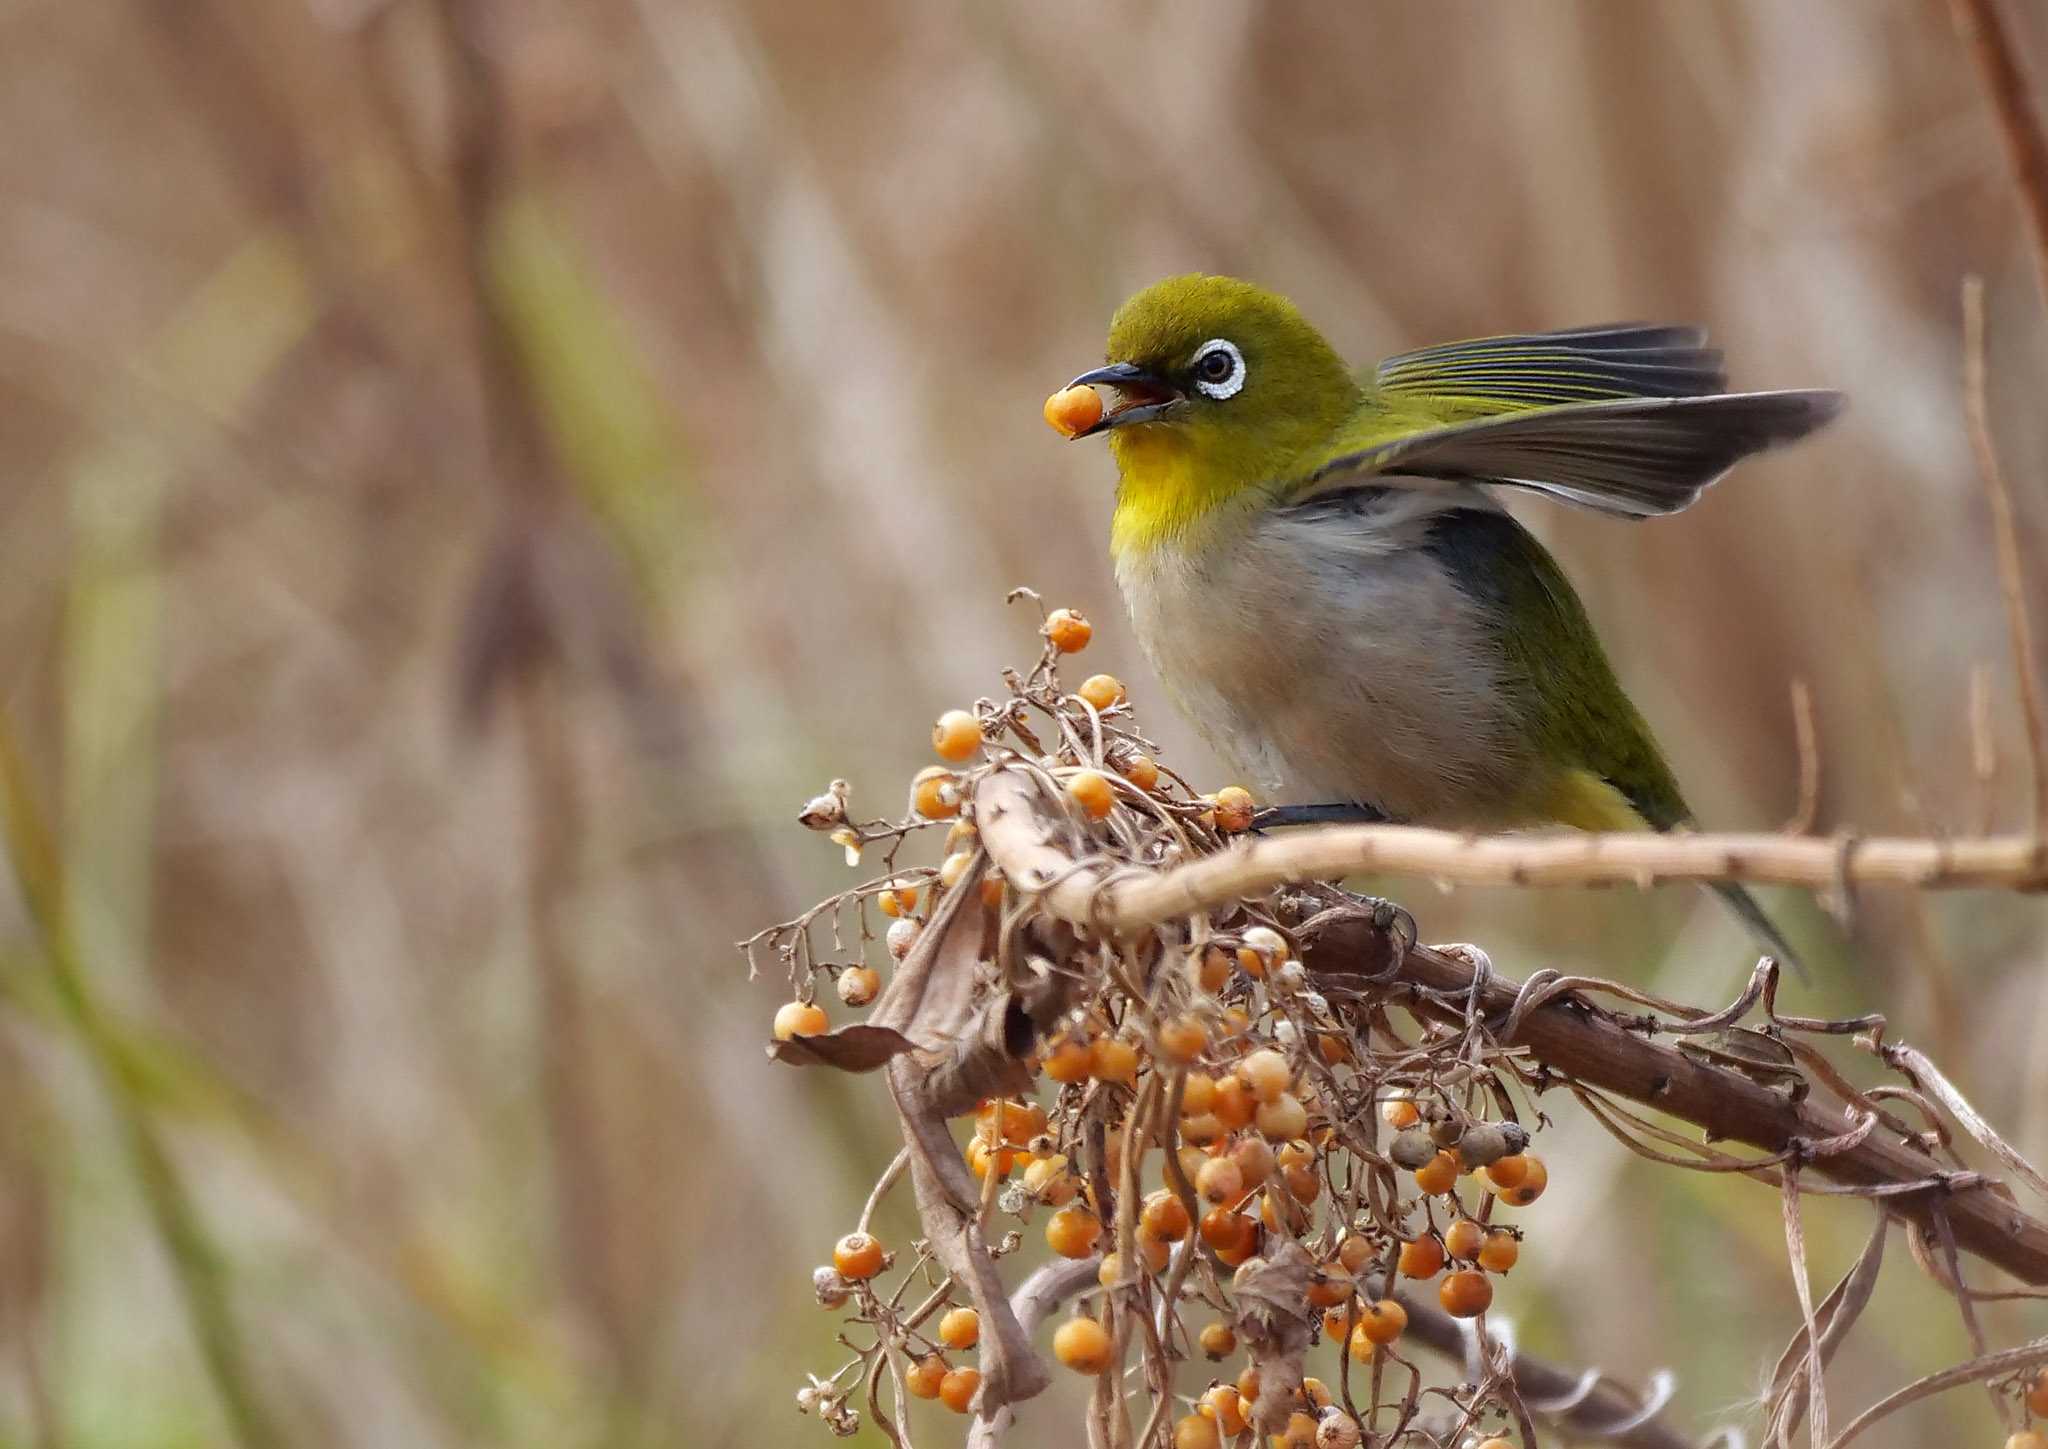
(1412, 1149)
(1482, 1146)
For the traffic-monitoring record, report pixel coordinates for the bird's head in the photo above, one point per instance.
(1218, 388)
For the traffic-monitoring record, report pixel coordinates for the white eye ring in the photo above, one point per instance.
(1229, 386)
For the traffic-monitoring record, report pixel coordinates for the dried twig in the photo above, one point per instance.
(2012, 584)
(1138, 899)
(2019, 123)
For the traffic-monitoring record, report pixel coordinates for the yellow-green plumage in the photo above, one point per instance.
(1316, 564)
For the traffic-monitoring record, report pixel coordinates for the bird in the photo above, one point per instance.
(1319, 567)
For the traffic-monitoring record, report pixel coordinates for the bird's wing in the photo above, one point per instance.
(1542, 369)
(1635, 457)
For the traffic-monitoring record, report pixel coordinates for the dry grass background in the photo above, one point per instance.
(468, 473)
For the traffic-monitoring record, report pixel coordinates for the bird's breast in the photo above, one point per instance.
(1331, 657)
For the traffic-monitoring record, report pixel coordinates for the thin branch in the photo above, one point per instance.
(1137, 899)
(2012, 584)
(1567, 1036)
(2019, 124)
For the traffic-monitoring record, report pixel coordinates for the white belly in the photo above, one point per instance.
(1331, 659)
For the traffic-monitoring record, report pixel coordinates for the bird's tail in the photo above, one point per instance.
(1744, 905)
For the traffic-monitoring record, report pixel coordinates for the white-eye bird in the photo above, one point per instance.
(1318, 569)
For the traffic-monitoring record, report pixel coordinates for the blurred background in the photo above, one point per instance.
(469, 471)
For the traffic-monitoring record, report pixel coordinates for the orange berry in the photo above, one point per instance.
(1338, 1431)
(1225, 1405)
(1496, 1442)
(1083, 1345)
(1336, 1323)
(1022, 1121)
(1069, 629)
(1233, 809)
(897, 901)
(1210, 970)
(1500, 1250)
(1333, 1048)
(1329, 1286)
(1254, 1158)
(925, 1376)
(1421, 1258)
(1266, 1072)
(1072, 411)
(2027, 1439)
(992, 889)
(1300, 1432)
(935, 793)
(1068, 1060)
(1113, 1059)
(1316, 1392)
(1355, 1252)
(1182, 1040)
(1439, 1174)
(1530, 1187)
(1197, 1094)
(1164, 1216)
(1047, 1179)
(1196, 1432)
(1506, 1172)
(858, 985)
(1248, 1388)
(958, 1388)
(1072, 1231)
(954, 866)
(960, 1328)
(1283, 1117)
(1463, 1239)
(1296, 1153)
(1092, 792)
(858, 1256)
(1218, 1339)
(956, 735)
(2037, 1394)
(1220, 1181)
(1380, 1323)
(1203, 1127)
(1154, 1252)
(1302, 1182)
(1232, 1235)
(1234, 1105)
(1142, 771)
(1102, 690)
(1110, 1270)
(1399, 1112)
(1465, 1293)
(800, 1018)
(981, 1156)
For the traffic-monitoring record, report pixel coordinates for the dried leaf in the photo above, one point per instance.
(1836, 1314)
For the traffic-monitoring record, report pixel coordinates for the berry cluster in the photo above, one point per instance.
(1203, 1109)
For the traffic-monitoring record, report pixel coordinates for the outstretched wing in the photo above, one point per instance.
(1635, 457)
(1544, 369)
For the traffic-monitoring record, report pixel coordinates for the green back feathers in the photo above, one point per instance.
(1574, 704)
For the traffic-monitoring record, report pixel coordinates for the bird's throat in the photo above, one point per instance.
(1166, 488)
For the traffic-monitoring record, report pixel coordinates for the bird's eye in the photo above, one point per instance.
(1219, 369)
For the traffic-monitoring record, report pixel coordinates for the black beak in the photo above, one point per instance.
(1141, 396)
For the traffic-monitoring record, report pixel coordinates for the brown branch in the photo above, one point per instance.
(2019, 124)
(2012, 584)
(1564, 1035)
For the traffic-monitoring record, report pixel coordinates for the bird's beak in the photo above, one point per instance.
(1141, 397)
